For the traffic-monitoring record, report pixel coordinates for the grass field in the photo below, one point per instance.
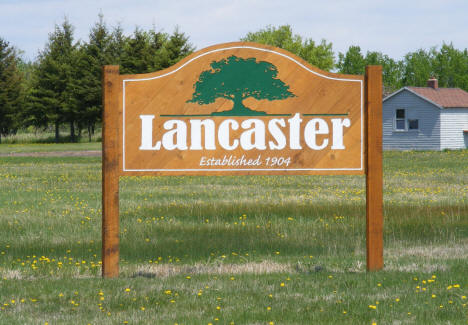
(233, 250)
(13, 148)
(31, 135)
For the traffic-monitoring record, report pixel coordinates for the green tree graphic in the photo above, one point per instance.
(236, 79)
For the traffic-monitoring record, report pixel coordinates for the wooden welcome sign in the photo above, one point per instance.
(241, 109)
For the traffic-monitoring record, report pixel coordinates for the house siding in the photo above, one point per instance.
(453, 122)
(428, 135)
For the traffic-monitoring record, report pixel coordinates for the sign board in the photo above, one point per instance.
(242, 109)
(233, 109)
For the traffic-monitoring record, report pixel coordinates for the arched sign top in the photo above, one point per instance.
(242, 108)
(237, 46)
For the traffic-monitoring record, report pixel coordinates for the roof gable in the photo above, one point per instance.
(440, 97)
(414, 93)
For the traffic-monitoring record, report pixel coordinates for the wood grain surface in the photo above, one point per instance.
(374, 173)
(110, 172)
(317, 95)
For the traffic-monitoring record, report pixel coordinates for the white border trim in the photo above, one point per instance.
(267, 169)
(246, 169)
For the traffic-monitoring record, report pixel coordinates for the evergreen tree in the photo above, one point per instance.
(53, 93)
(148, 51)
(90, 59)
(116, 45)
(10, 89)
(175, 49)
(142, 51)
(320, 55)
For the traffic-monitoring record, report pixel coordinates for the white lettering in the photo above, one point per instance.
(196, 132)
(277, 134)
(147, 133)
(257, 133)
(294, 132)
(338, 132)
(253, 135)
(179, 134)
(224, 136)
(311, 131)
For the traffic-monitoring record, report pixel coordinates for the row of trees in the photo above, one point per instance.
(446, 63)
(63, 86)
(11, 88)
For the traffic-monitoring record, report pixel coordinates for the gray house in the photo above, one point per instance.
(425, 118)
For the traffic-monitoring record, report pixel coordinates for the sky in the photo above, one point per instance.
(393, 27)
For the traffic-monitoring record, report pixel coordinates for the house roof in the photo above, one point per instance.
(445, 97)
(441, 97)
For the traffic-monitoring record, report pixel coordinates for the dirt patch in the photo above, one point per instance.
(165, 270)
(83, 153)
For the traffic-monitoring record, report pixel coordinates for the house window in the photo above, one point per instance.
(400, 121)
(413, 124)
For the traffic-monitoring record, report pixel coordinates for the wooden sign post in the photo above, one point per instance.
(374, 170)
(241, 109)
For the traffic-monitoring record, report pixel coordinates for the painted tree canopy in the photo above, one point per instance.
(236, 79)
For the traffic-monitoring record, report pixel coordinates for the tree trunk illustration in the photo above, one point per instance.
(238, 109)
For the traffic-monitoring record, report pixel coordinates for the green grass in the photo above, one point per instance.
(37, 147)
(287, 250)
(32, 135)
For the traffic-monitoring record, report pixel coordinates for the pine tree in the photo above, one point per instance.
(10, 89)
(175, 49)
(53, 93)
(142, 51)
(88, 75)
(116, 45)
(148, 51)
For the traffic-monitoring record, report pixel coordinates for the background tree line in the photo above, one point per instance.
(63, 85)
